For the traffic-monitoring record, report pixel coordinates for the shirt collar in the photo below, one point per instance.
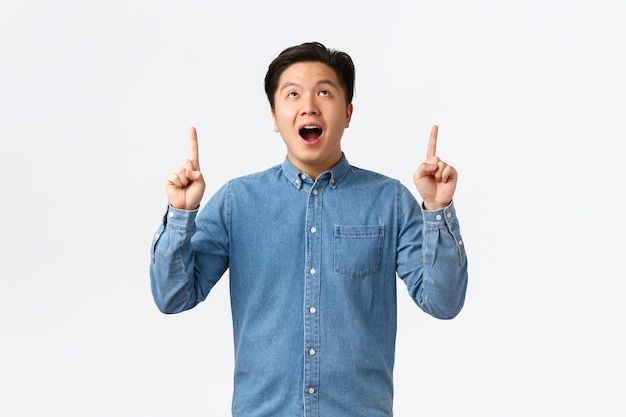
(297, 177)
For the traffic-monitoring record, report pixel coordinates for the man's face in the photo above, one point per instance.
(310, 112)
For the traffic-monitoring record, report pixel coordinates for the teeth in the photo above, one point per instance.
(311, 127)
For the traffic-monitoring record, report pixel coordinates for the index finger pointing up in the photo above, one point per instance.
(432, 143)
(193, 147)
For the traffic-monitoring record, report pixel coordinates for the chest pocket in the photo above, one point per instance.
(358, 249)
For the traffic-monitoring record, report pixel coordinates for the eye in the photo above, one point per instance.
(292, 94)
(324, 93)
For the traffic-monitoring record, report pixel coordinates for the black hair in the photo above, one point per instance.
(339, 61)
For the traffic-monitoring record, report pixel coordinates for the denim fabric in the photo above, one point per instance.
(312, 272)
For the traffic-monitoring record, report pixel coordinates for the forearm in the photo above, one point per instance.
(444, 282)
(172, 275)
(432, 260)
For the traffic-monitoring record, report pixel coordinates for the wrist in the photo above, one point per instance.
(434, 206)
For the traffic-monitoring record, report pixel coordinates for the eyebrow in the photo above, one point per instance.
(288, 84)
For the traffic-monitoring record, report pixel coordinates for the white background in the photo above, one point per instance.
(96, 99)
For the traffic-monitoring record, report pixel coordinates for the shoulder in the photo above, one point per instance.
(254, 178)
(367, 176)
(243, 188)
(379, 184)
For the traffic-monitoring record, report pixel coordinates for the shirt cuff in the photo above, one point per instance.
(178, 218)
(445, 217)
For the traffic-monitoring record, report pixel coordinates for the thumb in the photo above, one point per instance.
(430, 168)
(425, 170)
(193, 175)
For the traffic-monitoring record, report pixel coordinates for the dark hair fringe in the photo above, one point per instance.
(339, 61)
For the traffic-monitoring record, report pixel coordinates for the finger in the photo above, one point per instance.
(177, 179)
(193, 146)
(449, 173)
(424, 170)
(438, 174)
(432, 143)
(188, 166)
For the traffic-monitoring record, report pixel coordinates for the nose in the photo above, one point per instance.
(309, 106)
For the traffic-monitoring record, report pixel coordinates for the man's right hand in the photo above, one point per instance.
(185, 186)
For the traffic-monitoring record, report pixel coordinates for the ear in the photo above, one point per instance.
(274, 120)
(349, 114)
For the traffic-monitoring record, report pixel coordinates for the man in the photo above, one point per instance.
(312, 246)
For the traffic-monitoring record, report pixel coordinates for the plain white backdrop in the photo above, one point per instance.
(96, 99)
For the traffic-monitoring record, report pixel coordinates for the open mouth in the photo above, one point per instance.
(310, 132)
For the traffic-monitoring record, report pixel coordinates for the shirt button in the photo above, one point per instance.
(314, 192)
(449, 215)
(438, 217)
(312, 352)
(311, 390)
(313, 230)
(312, 271)
(460, 242)
(171, 214)
(313, 310)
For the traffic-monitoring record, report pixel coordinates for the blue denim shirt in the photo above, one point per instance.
(312, 271)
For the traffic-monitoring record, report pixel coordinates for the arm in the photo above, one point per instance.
(177, 282)
(432, 259)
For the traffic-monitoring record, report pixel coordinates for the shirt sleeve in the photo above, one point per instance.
(189, 254)
(431, 258)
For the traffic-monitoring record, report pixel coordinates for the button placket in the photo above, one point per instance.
(312, 297)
